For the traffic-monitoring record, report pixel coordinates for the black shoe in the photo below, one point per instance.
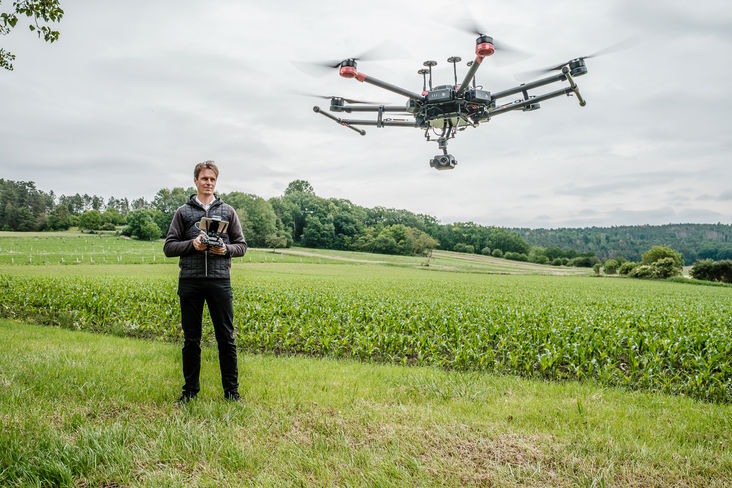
(232, 396)
(184, 398)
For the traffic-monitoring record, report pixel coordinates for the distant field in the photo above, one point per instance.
(40, 248)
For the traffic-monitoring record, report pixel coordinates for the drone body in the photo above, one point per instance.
(443, 110)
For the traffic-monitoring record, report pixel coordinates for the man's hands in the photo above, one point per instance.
(199, 246)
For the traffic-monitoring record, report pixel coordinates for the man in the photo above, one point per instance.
(204, 276)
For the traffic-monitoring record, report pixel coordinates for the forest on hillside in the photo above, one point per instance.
(693, 241)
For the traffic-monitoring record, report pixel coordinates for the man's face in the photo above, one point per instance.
(206, 182)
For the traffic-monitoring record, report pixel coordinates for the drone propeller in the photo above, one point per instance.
(347, 100)
(618, 46)
(383, 51)
(468, 24)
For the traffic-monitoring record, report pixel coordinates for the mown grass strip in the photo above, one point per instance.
(81, 409)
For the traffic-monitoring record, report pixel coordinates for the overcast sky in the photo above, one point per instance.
(135, 93)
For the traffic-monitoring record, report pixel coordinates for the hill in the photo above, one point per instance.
(694, 241)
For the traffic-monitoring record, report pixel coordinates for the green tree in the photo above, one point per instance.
(611, 266)
(90, 220)
(659, 252)
(299, 186)
(40, 12)
(138, 224)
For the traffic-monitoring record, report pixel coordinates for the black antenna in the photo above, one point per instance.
(423, 72)
(454, 60)
(470, 63)
(430, 64)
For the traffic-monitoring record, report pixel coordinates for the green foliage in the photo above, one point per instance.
(142, 224)
(644, 271)
(596, 268)
(22, 206)
(497, 253)
(583, 261)
(557, 262)
(611, 266)
(40, 13)
(694, 241)
(461, 247)
(90, 220)
(657, 253)
(299, 186)
(515, 256)
(256, 215)
(713, 270)
(627, 267)
(486, 251)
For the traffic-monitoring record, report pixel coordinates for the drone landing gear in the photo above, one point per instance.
(444, 160)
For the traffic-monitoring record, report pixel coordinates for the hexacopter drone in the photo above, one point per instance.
(444, 110)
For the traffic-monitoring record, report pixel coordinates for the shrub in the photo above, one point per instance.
(645, 271)
(627, 267)
(666, 268)
(557, 262)
(584, 261)
(460, 247)
(713, 270)
(486, 251)
(611, 266)
(516, 256)
(497, 253)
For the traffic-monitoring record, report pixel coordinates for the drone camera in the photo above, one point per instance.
(443, 161)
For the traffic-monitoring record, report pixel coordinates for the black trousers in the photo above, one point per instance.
(216, 292)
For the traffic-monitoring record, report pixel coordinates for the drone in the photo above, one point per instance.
(444, 110)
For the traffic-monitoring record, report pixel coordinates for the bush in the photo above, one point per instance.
(596, 268)
(657, 253)
(584, 261)
(713, 270)
(486, 251)
(516, 256)
(611, 266)
(497, 253)
(627, 267)
(557, 262)
(666, 268)
(460, 247)
(645, 271)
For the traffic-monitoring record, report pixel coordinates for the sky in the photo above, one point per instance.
(135, 93)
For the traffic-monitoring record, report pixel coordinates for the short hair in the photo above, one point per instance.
(205, 165)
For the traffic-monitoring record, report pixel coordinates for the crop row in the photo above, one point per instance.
(657, 336)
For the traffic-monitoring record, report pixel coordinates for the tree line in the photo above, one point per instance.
(300, 217)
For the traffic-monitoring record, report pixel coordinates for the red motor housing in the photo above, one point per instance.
(484, 49)
(348, 71)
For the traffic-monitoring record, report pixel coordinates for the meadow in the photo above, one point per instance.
(359, 370)
(656, 336)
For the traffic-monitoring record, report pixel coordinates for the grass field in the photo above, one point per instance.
(84, 410)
